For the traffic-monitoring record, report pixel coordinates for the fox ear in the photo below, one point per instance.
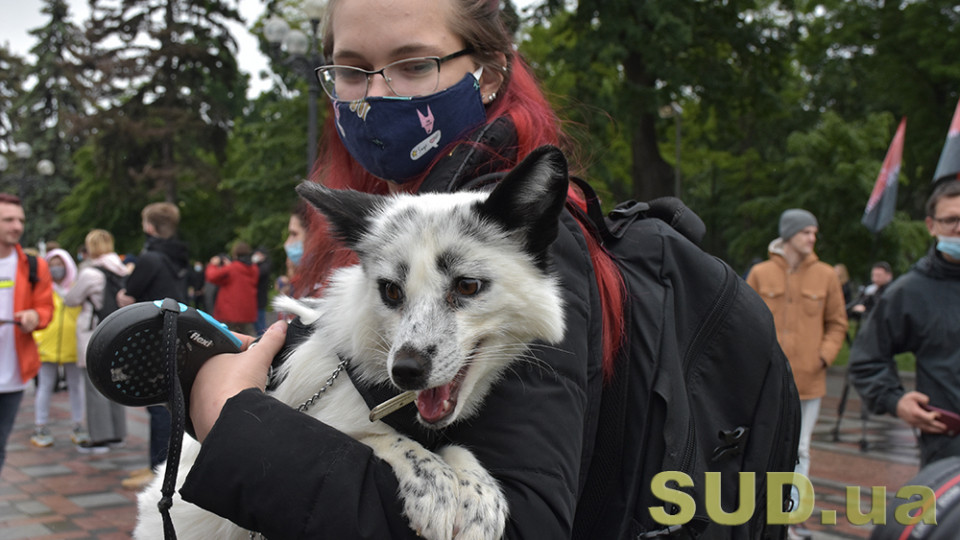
(530, 198)
(348, 212)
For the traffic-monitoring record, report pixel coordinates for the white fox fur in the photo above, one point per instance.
(450, 289)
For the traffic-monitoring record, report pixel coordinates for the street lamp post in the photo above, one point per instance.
(303, 56)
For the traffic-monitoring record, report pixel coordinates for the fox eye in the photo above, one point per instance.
(391, 293)
(468, 286)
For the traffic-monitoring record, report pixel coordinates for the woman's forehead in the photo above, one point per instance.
(378, 31)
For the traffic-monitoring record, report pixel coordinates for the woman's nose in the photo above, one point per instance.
(377, 86)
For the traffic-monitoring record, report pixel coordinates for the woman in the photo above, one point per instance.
(106, 420)
(57, 344)
(236, 282)
(293, 248)
(535, 432)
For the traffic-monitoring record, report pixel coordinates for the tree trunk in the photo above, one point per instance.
(652, 176)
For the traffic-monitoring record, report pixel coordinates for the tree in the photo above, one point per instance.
(171, 89)
(265, 165)
(48, 116)
(898, 57)
(12, 75)
(632, 58)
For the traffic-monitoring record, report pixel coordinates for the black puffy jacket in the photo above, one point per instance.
(294, 477)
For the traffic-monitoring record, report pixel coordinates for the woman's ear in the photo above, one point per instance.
(492, 79)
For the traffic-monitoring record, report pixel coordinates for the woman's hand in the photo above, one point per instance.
(226, 375)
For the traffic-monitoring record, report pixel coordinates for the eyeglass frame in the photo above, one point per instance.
(946, 221)
(321, 70)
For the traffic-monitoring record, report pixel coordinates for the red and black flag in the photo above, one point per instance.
(883, 199)
(949, 165)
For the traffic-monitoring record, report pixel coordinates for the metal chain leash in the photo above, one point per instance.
(336, 373)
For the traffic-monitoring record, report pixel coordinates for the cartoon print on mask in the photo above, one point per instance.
(426, 120)
(384, 134)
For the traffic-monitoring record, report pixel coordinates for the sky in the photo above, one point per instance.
(21, 16)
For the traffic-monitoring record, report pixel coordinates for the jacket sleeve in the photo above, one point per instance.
(81, 289)
(42, 300)
(144, 272)
(217, 274)
(272, 469)
(834, 321)
(873, 370)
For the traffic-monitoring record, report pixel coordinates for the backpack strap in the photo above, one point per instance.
(32, 268)
(605, 466)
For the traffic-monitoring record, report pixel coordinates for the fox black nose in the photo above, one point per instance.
(411, 367)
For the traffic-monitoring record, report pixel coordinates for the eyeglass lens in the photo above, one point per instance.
(405, 78)
(950, 221)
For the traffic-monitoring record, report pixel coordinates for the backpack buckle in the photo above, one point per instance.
(732, 444)
(623, 215)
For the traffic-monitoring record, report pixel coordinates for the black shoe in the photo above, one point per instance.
(93, 447)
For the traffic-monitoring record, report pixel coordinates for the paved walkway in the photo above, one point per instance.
(56, 493)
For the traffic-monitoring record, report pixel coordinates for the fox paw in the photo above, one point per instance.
(482, 507)
(428, 488)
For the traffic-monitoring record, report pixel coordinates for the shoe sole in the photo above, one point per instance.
(93, 450)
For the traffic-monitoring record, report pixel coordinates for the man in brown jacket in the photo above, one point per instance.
(808, 309)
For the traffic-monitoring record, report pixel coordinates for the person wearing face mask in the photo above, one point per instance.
(293, 248)
(426, 95)
(918, 313)
(57, 344)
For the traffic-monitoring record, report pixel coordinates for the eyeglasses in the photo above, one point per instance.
(410, 77)
(950, 222)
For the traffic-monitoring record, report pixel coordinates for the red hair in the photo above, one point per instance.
(520, 99)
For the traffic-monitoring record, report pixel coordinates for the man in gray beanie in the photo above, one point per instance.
(808, 309)
(795, 220)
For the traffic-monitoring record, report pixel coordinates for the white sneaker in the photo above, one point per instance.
(79, 435)
(41, 437)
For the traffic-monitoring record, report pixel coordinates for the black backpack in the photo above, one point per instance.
(113, 283)
(730, 406)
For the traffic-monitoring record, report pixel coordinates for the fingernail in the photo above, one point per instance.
(279, 326)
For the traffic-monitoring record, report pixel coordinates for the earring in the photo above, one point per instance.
(491, 97)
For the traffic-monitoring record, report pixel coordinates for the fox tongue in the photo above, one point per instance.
(434, 404)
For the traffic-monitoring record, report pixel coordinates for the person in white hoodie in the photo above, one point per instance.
(106, 420)
(57, 344)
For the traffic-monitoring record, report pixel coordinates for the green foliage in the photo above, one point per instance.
(41, 102)
(268, 156)
(782, 105)
(91, 205)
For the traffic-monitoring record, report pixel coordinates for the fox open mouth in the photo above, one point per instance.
(436, 404)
